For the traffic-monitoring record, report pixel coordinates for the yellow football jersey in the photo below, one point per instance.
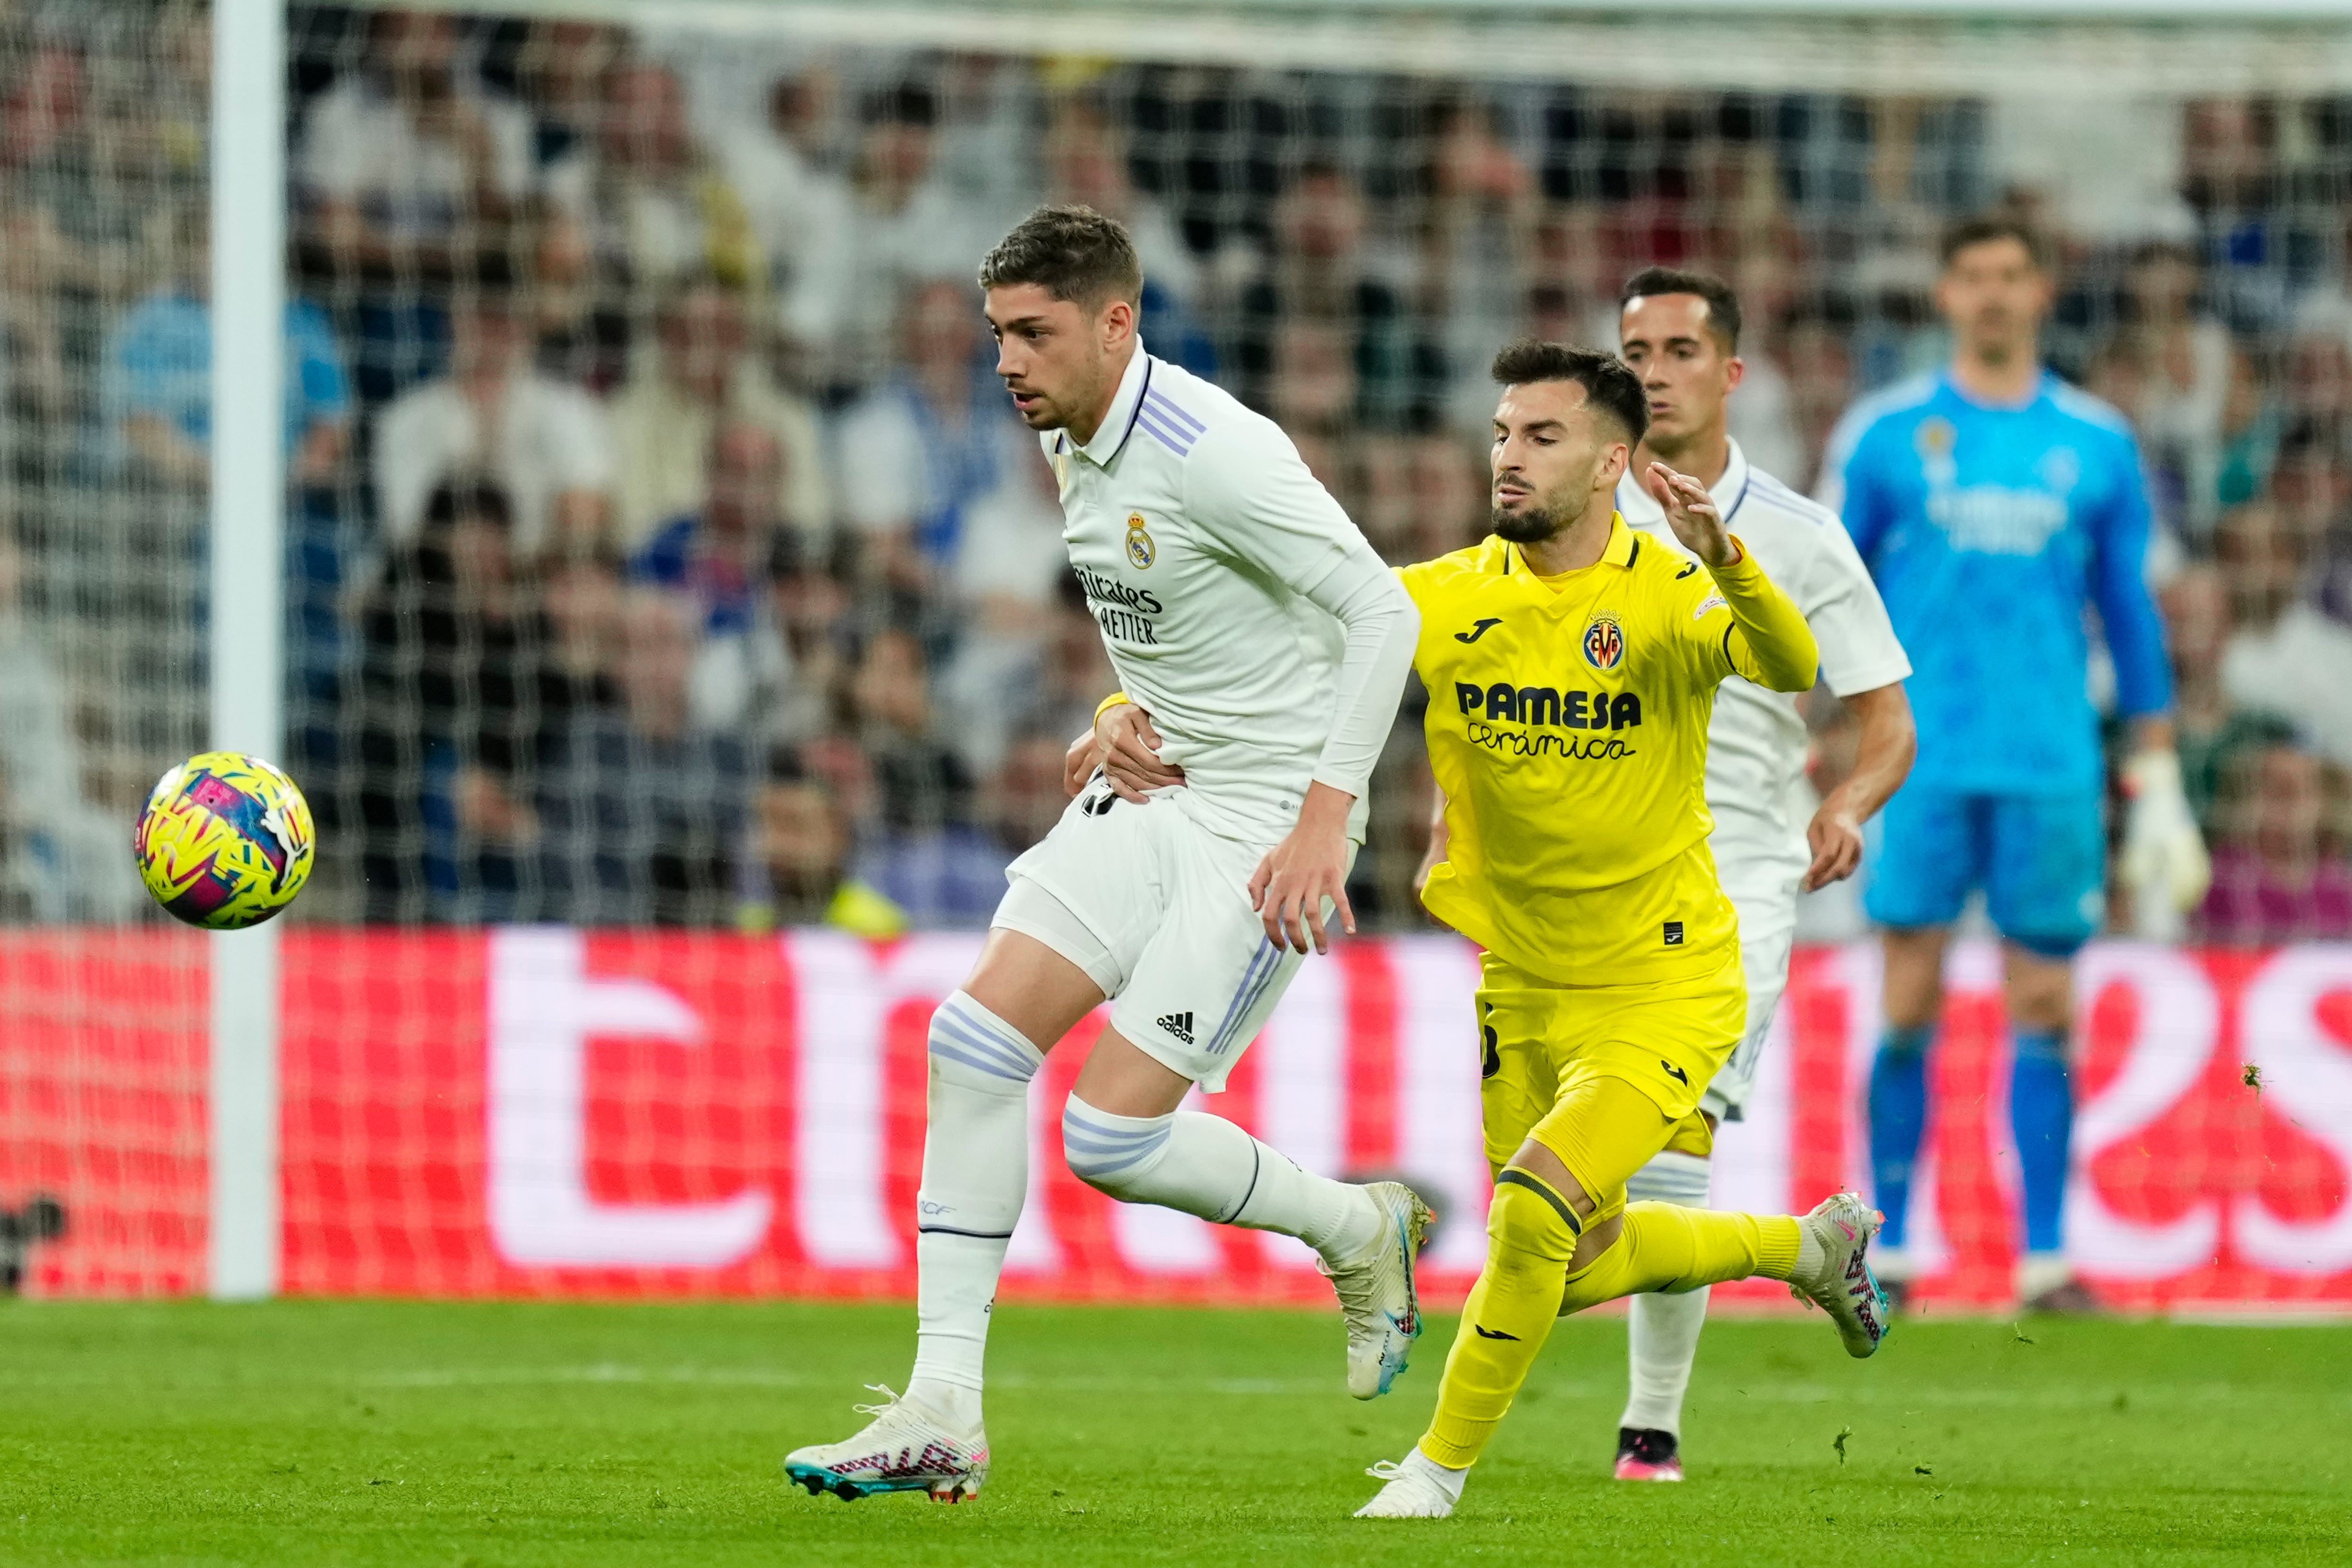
(1567, 725)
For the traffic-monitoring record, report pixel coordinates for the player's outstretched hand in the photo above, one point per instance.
(1127, 749)
(1836, 838)
(1307, 867)
(1691, 513)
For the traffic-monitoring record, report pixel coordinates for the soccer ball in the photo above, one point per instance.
(225, 841)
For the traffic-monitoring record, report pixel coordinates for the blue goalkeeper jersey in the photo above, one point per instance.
(1992, 532)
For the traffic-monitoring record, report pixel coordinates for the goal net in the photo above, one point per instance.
(678, 643)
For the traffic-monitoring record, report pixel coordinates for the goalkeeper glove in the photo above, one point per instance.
(2163, 863)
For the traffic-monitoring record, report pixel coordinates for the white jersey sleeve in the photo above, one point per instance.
(1858, 649)
(1252, 493)
(1248, 489)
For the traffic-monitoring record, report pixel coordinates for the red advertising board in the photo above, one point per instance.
(542, 1112)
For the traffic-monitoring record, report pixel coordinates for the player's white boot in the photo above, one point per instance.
(903, 1448)
(1417, 1488)
(1376, 1291)
(1834, 1270)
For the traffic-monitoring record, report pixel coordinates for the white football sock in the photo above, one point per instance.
(1204, 1165)
(1662, 1331)
(975, 1174)
(1662, 1340)
(1444, 1476)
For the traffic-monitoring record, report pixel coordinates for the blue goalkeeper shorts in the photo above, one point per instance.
(2041, 861)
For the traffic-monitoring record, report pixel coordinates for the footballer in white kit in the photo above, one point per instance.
(1262, 646)
(1679, 331)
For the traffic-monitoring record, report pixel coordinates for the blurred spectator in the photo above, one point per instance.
(1023, 797)
(407, 157)
(2229, 174)
(934, 447)
(1317, 295)
(157, 391)
(2274, 659)
(718, 557)
(902, 227)
(2317, 382)
(1820, 367)
(654, 207)
(920, 784)
(784, 166)
(2185, 365)
(63, 856)
(2196, 605)
(562, 69)
(1472, 248)
(1423, 498)
(810, 612)
(664, 419)
(1041, 674)
(2275, 878)
(797, 862)
(1087, 162)
(466, 672)
(545, 443)
(641, 812)
(924, 850)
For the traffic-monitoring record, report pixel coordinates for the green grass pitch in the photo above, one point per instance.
(388, 1433)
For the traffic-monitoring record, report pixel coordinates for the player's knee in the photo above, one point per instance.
(1114, 1155)
(1530, 1217)
(972, 1048)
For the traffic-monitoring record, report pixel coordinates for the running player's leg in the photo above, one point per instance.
(1561, 1237)
(2046, 894)
(987, 1042)
(1931, 850)
(1661, 1329)
(1124, 1134)
(1202, 989)
(1079, 910)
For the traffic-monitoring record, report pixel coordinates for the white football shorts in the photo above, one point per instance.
(1766, 960)
(1155, 908)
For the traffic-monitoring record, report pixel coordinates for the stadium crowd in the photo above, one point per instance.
(662, 549)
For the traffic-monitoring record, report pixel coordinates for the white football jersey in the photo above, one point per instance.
(1755, 744)
(1198, 534)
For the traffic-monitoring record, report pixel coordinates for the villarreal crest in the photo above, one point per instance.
(1605, 642)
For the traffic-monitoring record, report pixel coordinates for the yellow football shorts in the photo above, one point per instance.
(1604, 1076)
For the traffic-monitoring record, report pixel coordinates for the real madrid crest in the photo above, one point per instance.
(1141, 552)
(1605, 642)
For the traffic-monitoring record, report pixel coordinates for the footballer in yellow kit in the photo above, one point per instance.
(1571, 673)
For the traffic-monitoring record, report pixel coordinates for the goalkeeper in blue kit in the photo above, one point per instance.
(1993, 503)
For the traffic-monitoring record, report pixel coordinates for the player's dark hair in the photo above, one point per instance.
(1722, 304)
(1986, 227)
(1074, 253)
(1608, 384)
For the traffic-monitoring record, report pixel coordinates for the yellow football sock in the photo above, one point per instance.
(1665, 1246)
(1531, 1236)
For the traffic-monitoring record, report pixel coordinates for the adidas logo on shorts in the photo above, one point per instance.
(1179, 1025)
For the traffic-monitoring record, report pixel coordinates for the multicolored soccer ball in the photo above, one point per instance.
(226, 840)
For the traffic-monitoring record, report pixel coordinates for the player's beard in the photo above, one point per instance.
(1536, 522)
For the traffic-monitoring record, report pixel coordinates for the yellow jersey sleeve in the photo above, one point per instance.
(1742, 624)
